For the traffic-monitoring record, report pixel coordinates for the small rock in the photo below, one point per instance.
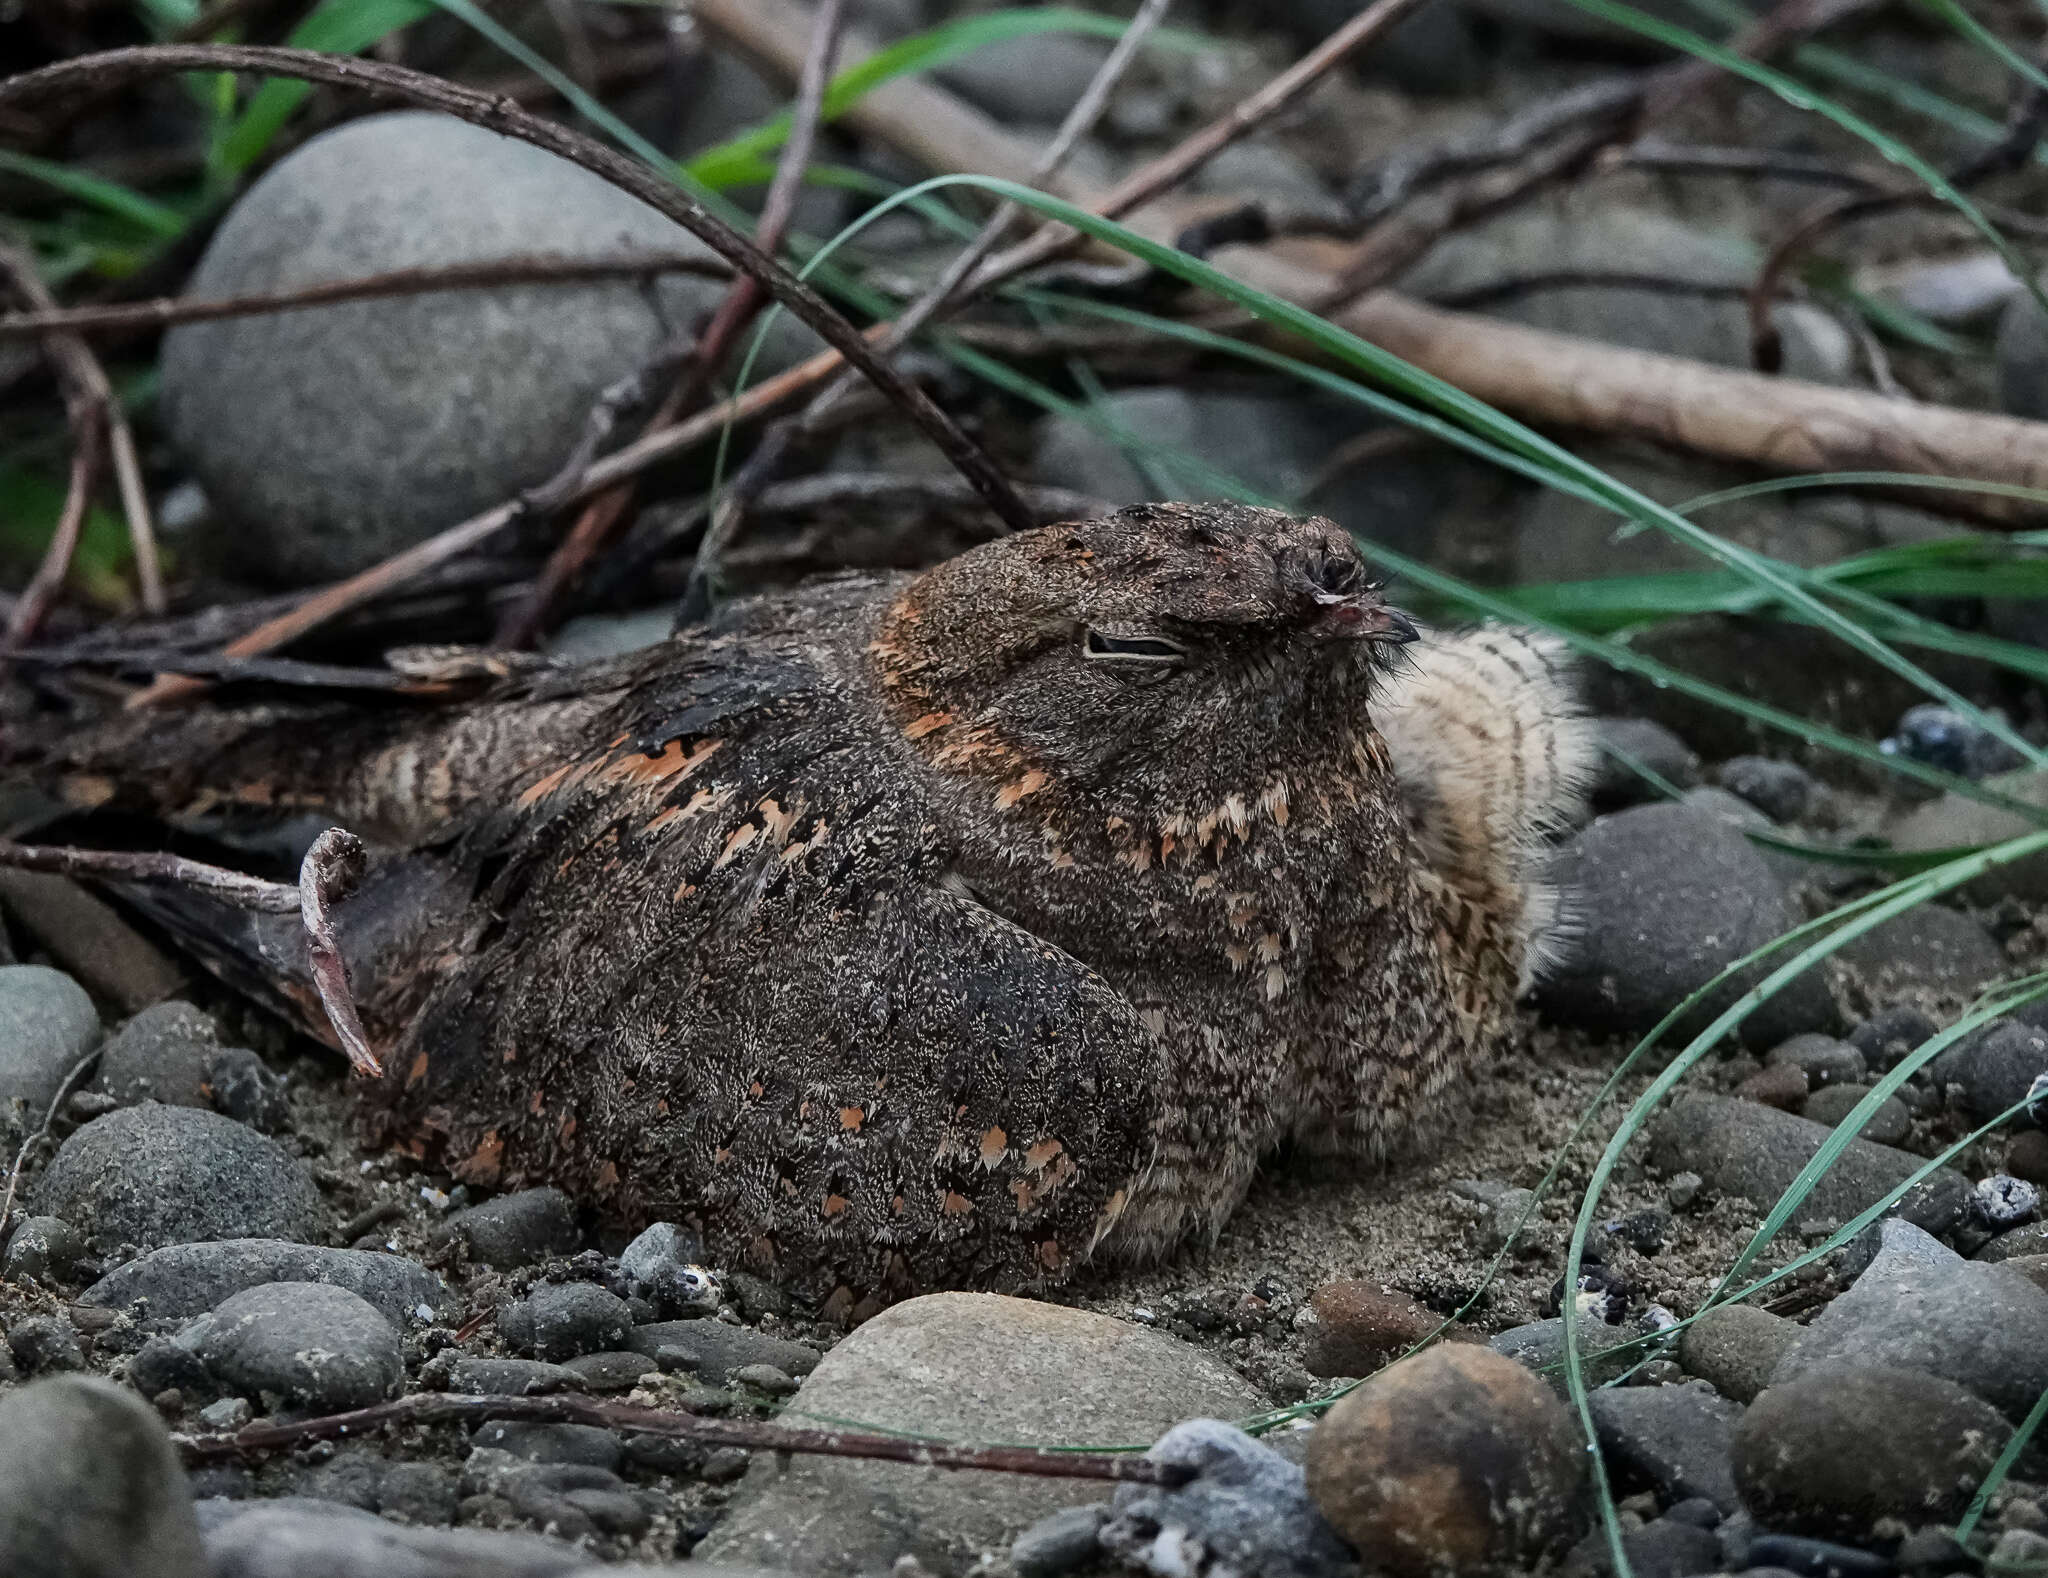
(517, 1230)
(2002, 1201)
(155, 1175)
(47, 1023)
(1754, 1153)
(2019, 1550)
(226, 1414)
(1681, 1189)
(1955, 820)
(2032, 1239)
(90, 1486)
(962, 1366)
(586, 1446)
(1666, 897)
(1919, 1306)
(621, 1371)
(1539, 1346)
(762, 1378)
(43, 1344)
(661, 1266)
(183, 1280)
(713, 1351)
(1656, 747)
(417, 1493)
(1456, 1459)
(1822, 1059)
(1808, 1558)
(1829, 1453)
(305, 1344)
(1887, 1036)
(1782, 1087)
(479, 1377)
(316, 478)
(1929, 947)
(560, 1320)
(1060, 1542)
(162, 1054)
(1944, 738)
(244, 1088)
(1994, 1068)
(1246, 1511)
(1356, 1327)
(1783, 791)
(43, 1247)
(2028, 1157)
(1887, 1125)
(1661, 1548)
(1033, 79)
(1677, 1439)
(1736, 1347)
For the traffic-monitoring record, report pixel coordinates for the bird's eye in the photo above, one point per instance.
(1154, 650)
(1337, 575)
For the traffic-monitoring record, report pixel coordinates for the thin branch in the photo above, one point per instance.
(65, 1087)
(2023, 133)
(946, 292)
(433, 1407)
(742, 303)
(106, 865)
(330, 872)
(41, 591)
(538, 269)
(91, 405)
(121, 66)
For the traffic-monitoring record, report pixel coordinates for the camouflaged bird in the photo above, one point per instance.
(936, 932)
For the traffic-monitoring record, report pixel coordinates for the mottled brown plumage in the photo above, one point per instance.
(947, 932)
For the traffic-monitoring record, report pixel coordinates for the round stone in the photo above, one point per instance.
(154, 1175)
(1457, 1460)
(303, 1344)
(47, 1024)
(1354, 1327)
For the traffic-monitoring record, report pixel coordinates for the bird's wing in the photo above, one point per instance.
(720, 973)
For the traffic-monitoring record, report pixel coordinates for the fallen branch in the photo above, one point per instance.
(89, 73)
(163, 312)
(331, 869)
(95, 415)
(671, 1424)
(69, 1083)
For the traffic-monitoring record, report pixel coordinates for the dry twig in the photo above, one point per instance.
(95, 414)
(65, 1087)
(433, 1407)
(121, 66)
(601, 516)
(162, 312)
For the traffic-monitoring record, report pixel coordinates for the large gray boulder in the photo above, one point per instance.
(962, 1367)
(330, 437)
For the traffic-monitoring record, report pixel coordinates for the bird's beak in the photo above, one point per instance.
(1389, 625)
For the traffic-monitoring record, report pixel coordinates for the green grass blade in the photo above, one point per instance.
(732, 162)
(109, 197)
(1980, 35)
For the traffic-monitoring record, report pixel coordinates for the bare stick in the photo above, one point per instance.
(600, 518)
(69, 1083)
(330, 872)
(118, 67)
(432, 1407)
(538, 269)
(41, 590)
(91, 403)
(945, 293)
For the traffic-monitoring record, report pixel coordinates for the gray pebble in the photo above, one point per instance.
(517, 1230)
(661, 1266)
(1887, 1125)
(559, 1320)
(47, 1023)
(1662, 1548)
(1655, 746)
(585, 1446)
(245, 1088)
(1754, 1153)
(1783, 791)
(1667, 895)
(1929, 947)
(1822, 1059)
(43, 1344)
(184, 1280)
(615, 1371)
(1993, 1068)
(1247, 1510)
(2003, 1201)
(90, 1486)
(1540, 1346)
(1830, 1453)
(1678, 1438)
(765, 1378)
(227, 1414)
(472, 1376)
(713, 1351)
(1887, 1036)
(1735, 1347)
(162, 1054)
(304, 1344)
(155, 1175)
(417, 1493)
(43, 1247)
(1059, 1542)
(1681, 1189)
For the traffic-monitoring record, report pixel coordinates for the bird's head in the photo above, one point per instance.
(1190, 638)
